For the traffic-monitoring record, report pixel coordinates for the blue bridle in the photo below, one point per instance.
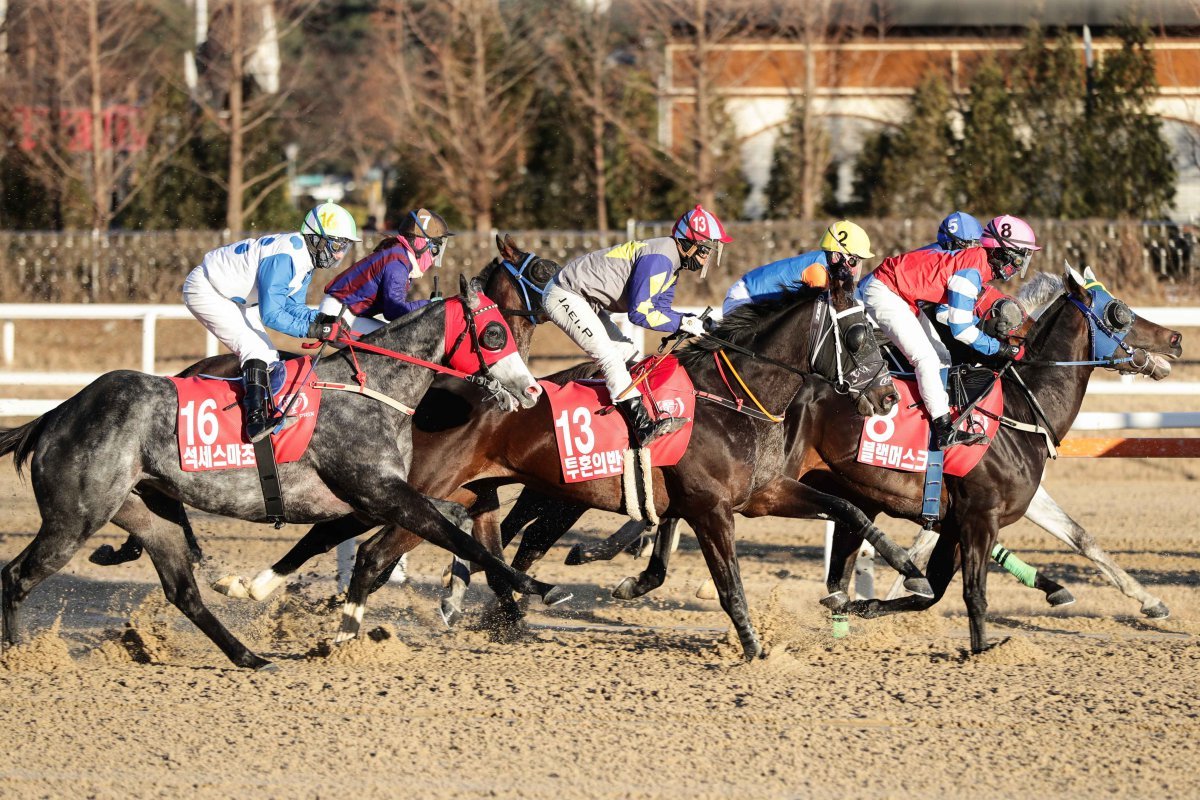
(525, 284)
(1106, 336)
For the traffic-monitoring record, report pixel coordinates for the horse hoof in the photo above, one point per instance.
(625, 589)
(447, 575)
(233, 586)
(575, 556)
(707, 590)
(451, 613)
(267, 666)
(344, 636)
(1157, 611)
(835, 601)
(1061, 597)
(918, 586)
(108, 556)
(556, 596)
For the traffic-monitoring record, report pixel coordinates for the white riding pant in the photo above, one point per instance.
(738, 295)
(914, 334)
(332, 306)
(595, 333)
(238, 327)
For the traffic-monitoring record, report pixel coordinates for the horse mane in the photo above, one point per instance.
(489, 268)
(1037, 295)
(744, 322)
(576, 372)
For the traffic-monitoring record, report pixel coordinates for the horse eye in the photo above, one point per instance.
(493, 336)
(543, 271)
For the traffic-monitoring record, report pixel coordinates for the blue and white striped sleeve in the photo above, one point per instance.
(963, 288)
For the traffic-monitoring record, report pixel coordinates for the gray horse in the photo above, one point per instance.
(109, 454)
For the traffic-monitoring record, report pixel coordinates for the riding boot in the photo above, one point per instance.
(255, 399)
(643, 429)
(946, 435)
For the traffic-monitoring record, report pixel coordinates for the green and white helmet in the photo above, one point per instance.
(328, 231)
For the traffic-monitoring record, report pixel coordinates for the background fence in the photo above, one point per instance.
(1147, 262)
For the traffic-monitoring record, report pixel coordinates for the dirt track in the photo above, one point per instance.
(622, 700)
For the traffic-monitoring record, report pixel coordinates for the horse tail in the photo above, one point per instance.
(20, 441)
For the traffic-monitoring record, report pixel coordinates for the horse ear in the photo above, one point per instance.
(1087, 273)
(499, 245)
(506, 246)
(1074, 281)
(469, 290)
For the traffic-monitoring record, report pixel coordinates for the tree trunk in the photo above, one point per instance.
(598, 164)
(810, 184)
(234, 216)
(101, 185)
(705, 183)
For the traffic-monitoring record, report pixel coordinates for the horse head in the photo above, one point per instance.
(490, 348)
(1132, 343)
(851, 357)
(517, 280)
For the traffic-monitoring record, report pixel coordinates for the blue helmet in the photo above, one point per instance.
(959, 230)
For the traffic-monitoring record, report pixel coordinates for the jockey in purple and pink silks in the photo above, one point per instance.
(893, 292)
(379, 283)
(637, 278)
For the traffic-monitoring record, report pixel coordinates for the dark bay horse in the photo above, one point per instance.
(110, 453)
(1080, 327)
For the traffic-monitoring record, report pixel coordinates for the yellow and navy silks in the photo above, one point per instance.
(635, 278)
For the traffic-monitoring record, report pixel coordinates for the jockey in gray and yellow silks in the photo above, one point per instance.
(637, 278)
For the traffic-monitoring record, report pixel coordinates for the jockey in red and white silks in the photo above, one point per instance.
(894, 291)
(637, 278)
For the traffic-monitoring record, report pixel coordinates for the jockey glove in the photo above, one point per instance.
(692, 326)
(325, 327)
(1011, 352)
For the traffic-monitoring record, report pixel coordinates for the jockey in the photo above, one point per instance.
(894, 290)
(241, 289)
(637, 278)
(379, 283)
(843, 243)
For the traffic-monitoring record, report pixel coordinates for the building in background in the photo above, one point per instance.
(864, 83)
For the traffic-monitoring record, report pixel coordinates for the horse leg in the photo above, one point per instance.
(506, 616)
(976, 535)
(846, 544)
(940, 570)
(1034, 578)
(608, 549)
(148, 518)
(392, 499)
(131, 549)
(655, 572)
(320, 538)
(545, 533)
(714, 532)
(786, 497)
(1045, 512)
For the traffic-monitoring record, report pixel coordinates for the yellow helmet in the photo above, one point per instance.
(844, 236)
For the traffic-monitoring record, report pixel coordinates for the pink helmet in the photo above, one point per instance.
(1010, 242)
(699, 225)
(1009, 231)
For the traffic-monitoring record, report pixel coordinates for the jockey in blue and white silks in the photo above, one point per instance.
(637, 278)
(242, 289)
(842, 242)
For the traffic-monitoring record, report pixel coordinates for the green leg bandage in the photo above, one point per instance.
(1019, 569)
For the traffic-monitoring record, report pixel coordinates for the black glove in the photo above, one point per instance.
(1010, 352)
(324, 327)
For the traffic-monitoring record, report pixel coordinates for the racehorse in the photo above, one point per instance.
(110, 453)
(1080, 326)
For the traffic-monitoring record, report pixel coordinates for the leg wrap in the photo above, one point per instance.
(1019, 569)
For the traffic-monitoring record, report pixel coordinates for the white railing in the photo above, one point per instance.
(150, 314)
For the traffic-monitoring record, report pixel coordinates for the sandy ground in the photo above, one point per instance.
(116, 695)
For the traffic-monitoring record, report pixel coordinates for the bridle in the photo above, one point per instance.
(527, 287)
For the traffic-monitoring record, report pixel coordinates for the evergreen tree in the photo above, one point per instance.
(1049, 82)
(784, 198)
(1127, 160)
(988, 161)
(915, 175)
(868, 200)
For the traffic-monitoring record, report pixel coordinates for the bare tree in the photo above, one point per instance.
(459, 71)
(88, 118)
(242, 48)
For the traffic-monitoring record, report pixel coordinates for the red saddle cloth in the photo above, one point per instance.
(900, 440)
(209, 423)
(590, 445)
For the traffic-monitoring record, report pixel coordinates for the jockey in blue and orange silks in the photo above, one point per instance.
(378, 285)
(637, 278)
(893, 292)
(844, 244)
